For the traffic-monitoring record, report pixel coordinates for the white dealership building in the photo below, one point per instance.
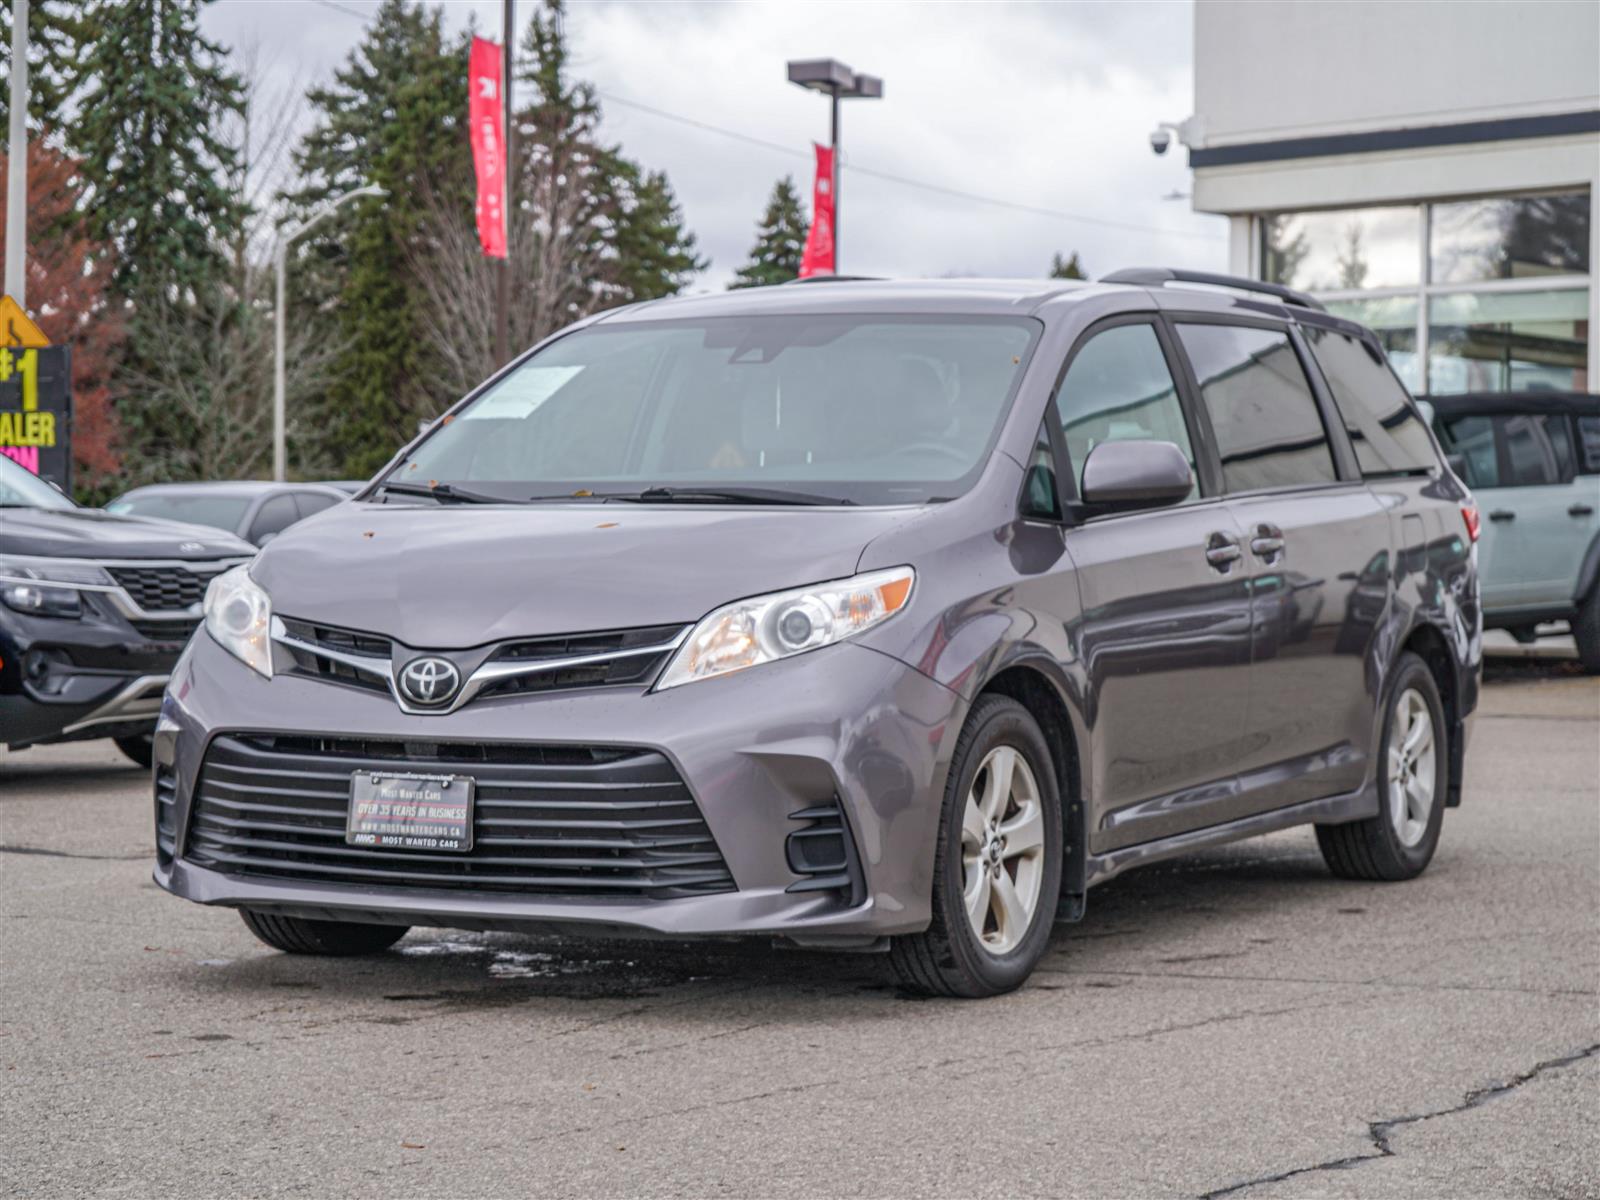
(1428, 169)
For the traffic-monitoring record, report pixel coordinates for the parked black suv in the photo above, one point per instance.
(94, 610)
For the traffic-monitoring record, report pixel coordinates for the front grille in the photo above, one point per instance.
(548, 820)
(630, 669)
(166, 631)
(331, 637)
(163, 589)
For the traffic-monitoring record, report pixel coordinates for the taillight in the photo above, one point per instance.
(1469, 514)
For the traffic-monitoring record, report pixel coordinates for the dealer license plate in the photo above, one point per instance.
(396, 811)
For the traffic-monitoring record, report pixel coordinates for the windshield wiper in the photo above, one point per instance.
(731, 495)
(444, 492)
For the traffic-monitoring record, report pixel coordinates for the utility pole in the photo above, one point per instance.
(17, 160)
(502, 297)
(837, 81)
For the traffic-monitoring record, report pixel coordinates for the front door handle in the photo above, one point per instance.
(1502, 514)
(1580, 510)
(1222, 551)
(1267, 543)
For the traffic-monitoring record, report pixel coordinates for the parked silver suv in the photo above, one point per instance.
(857, 614)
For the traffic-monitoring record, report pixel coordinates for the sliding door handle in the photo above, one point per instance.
(1580, 510)
(1502, 514)
(1266, 546)
(1222, 551)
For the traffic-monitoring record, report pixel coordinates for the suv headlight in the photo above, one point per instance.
(238, 614)
(24, 585)
(782, 624)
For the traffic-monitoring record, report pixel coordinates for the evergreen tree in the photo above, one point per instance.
(654, 253)
(148, 134)
(394, 115)
(1066, 268)
(57, 33)
(780, 240)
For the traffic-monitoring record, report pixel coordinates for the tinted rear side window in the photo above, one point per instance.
(1515, 450)
(1589, 445)
(1269, 432)
(1386, 431)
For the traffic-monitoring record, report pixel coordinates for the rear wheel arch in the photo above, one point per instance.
(1428, 644)
(1039, 693)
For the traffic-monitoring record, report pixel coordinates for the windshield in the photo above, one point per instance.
(223, 512)
(21, 488)
(859, 409)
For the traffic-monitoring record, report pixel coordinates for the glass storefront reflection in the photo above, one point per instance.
(1343, 249)
(1509, 237)
(1508, 341)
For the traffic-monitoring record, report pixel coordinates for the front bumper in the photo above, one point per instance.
(95, 676)
(752, 748)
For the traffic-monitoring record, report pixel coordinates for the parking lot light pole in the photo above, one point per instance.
(837, 81)
(281, 266)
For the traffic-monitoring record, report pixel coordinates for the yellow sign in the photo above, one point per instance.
(17, 329)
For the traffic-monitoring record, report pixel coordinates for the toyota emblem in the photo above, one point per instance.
(429, 681)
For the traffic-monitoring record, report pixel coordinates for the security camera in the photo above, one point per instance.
(1160, 139)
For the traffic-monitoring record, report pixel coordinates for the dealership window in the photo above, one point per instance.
(1481, 294)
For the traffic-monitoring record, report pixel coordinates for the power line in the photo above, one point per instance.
(345, 9)
(902, 180)
(1059, 214)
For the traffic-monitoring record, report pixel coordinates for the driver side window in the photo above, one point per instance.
(1119, 388)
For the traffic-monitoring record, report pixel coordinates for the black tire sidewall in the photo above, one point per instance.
(1004, 722)
(1413, 674)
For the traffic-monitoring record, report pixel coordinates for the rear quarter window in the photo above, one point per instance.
(1385, 428)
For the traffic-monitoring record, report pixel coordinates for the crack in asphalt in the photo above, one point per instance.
(72, 854)
(984, 1060)
(1301, 979)
(1380, 1132)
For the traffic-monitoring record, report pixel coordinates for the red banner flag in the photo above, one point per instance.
(486, 121)
(818, 256)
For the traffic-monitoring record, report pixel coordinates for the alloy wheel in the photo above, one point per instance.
(1002, 850)
(1411, 768)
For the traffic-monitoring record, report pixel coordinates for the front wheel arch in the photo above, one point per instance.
(1040, 695)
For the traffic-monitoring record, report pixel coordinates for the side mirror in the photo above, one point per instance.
(1136, 474)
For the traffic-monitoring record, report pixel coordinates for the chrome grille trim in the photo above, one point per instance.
(492, 672)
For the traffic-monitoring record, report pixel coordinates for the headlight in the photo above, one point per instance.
(22, 581)
(237, 616)
(766, 628)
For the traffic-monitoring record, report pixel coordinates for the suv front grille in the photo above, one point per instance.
(166, 631)
(163, 589)
(548, 820)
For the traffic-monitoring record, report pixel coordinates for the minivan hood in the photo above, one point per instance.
(93, 533)
(454, 576)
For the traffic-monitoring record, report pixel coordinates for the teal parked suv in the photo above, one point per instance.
(1532, 460)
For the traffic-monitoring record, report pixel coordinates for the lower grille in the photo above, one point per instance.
(548, 820)
(166, 818)
(823, 853)
(165, 631)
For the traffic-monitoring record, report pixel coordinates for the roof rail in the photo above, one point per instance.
(837, 279)
(1158, 276)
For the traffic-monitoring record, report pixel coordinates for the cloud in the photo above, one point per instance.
(1043, 105)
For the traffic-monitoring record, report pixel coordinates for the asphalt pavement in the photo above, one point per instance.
(1232, 1023)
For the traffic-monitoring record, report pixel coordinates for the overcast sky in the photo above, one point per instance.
(1047, 106)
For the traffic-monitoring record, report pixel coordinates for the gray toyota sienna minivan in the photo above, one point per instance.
(856, 614)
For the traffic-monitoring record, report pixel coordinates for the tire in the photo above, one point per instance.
(1398, 843)
(141, 749)
(1586, 631)
(300, 935)
(950, 958)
